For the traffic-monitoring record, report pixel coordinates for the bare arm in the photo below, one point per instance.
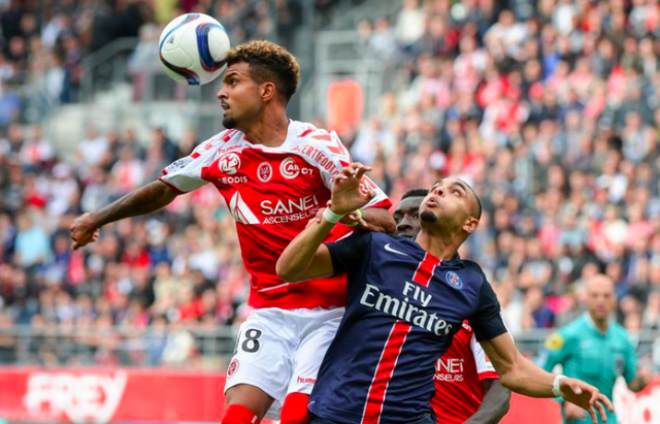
(520, 375)
(379, 219)
(495, 404)
(306, 256)
(142, 201)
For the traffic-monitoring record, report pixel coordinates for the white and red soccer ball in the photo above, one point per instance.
(193, 48)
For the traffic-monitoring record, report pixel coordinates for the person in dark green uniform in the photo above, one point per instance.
(595, 349)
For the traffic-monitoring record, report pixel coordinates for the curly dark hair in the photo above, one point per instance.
(269, 62)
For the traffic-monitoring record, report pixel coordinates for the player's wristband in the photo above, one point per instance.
(356, 223)
(332, 217)
(556, 390)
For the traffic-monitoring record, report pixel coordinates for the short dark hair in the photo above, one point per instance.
(269, 62)
(416, 192)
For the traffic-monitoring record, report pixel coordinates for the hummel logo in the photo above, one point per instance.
(389, 249)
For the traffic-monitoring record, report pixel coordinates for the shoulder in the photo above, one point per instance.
(473, 273)
(620, 332)
(309, 141)
(573, 330)
(220, 141)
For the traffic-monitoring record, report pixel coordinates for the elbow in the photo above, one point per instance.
(285, 272)
(510, 381)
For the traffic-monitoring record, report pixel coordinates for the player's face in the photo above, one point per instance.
(600, 298)
(239, 96)
(406, 216)
(449, 203)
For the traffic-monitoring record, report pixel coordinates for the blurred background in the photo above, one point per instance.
(549, 108)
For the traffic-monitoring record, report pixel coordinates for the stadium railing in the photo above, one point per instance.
(180, 345)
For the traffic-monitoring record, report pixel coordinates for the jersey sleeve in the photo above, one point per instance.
(485, 368)
(487, 321)
(555, 351)
(348, 253)
(187, 174)
(328, 154)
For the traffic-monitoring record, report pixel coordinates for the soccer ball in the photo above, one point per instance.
(193, 48)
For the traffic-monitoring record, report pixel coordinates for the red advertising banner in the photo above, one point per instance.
(98, 395)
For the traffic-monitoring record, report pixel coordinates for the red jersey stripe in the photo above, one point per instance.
(373, 408)
(425, 270)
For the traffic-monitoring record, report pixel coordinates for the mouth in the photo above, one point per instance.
(224, 106)
(432, 202)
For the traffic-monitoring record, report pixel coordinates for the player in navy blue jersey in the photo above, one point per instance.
(406, 300)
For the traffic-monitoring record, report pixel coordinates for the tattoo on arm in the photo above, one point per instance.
(142, 201)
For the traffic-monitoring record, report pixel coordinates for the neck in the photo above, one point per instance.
(443, 247)
(602, 324)
(269, 129)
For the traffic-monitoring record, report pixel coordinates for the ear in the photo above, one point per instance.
(470, 225)
(267, 91)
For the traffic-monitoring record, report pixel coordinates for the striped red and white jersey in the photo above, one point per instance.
(458, 377)
(404, 307)
(272, 192)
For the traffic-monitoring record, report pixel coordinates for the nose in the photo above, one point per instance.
(221, 94)
(440, 191)
(403, 226)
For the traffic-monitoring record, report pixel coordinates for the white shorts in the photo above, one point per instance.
(280, 351)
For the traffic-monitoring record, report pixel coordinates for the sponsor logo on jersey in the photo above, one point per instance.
(239, 179)
(233, 367)
(282, 211)
(453, 280)
(230, 163)
(289, 168)
(317, 156)
(450, 370)
(241, 211)
(404, 309)
(264, 172)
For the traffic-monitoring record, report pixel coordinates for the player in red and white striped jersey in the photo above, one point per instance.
(467, 386)
(275, 174)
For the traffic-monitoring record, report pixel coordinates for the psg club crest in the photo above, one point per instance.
(265, 172)
(453, 280)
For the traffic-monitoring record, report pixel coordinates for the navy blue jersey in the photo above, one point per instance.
(404, 307)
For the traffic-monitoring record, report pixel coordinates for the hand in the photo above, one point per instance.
(347, 195)
(644, 376)
(573, 412)
(585, 396)
(349, 219)
(84, 230)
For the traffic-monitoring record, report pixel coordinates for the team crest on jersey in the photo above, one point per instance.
(289, 168)
(233, 367)
(453, 280)
(230, 163)
(265, 172)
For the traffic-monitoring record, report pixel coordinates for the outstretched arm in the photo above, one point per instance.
(306, 256)
(521, 376)
(142, 201)
(495, 404)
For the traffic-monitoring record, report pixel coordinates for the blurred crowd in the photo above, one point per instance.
(43, 42)
(550, 109)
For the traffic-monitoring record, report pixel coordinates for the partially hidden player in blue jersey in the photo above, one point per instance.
(406, 300)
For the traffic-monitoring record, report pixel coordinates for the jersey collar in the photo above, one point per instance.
(591, 324)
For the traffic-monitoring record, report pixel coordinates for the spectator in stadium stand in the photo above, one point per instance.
(464, 375)
(595, 349)
(407, 300)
